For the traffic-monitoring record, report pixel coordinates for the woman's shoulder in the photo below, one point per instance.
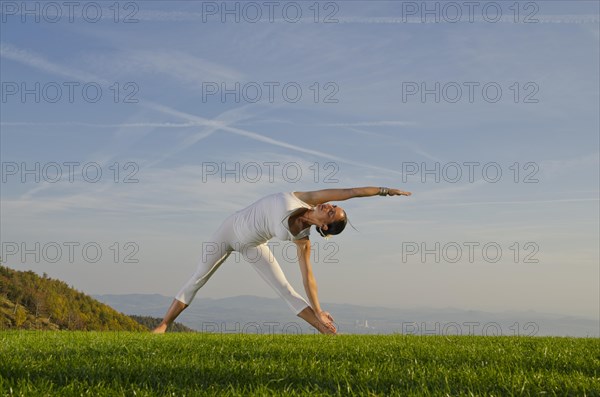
(303, 198)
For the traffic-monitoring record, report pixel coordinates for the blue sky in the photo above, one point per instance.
(370, 132)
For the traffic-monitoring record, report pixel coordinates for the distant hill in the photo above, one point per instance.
(153, 322)
(30, 301)
(253, 314)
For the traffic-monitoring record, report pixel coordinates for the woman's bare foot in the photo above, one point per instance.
(161, 329)
(309, 316)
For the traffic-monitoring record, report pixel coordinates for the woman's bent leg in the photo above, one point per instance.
(266, 265)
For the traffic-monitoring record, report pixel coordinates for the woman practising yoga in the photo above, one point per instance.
(287, 216)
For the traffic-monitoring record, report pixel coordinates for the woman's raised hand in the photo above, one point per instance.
(396, 192)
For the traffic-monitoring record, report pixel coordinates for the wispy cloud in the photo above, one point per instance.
(411, 146)
(121, 139)
(366, 133)
(97, 125)
(515, 202)
(161, 192)
(559, 167)
(31, 59)
(183, 67)
(381, 123)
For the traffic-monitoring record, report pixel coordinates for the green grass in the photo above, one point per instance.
(142, 364)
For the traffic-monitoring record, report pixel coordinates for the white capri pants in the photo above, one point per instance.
(215, 252)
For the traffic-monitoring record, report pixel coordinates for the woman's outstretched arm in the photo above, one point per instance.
(323, 196)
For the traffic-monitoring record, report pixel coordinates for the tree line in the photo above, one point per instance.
(30, 301)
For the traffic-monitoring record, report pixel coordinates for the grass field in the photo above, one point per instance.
(105, 363)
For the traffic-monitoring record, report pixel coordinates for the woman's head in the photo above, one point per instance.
(331, 219)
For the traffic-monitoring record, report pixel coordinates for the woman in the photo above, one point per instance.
(287, 216)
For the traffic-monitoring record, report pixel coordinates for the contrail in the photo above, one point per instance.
(261, 138)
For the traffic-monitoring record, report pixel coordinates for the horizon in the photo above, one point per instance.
(275, 299)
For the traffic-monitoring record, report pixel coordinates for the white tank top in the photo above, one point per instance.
(268, 218)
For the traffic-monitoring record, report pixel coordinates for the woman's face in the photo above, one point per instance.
(327, 213)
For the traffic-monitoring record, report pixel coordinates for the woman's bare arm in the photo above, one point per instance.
(323, 196)
(310, 284)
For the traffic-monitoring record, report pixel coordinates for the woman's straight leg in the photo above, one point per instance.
(214, 253)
